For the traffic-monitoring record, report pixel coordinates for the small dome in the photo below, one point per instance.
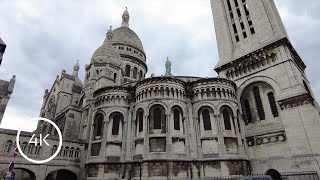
(106, 54)
(127, 36)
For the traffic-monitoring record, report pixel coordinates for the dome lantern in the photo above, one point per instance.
(125, 18)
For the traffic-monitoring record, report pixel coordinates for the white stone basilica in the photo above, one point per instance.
(258, 116)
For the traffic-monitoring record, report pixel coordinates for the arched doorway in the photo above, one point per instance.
(61, 174)
(274, 174)
(21, 173)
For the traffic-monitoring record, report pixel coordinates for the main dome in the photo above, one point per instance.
(127, 36)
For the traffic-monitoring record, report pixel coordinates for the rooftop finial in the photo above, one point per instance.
(168, 67)
(109, 35)
(125, 18)
(76, 68)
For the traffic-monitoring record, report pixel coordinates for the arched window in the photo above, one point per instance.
(140, 74)
(54, 149)
(257, 98)
(115, 77)
(157, 118)
(139, 119)
(238, 121)
(226, 119)
(98, 124)
(30, 148)
(37, 149)
(71, 152)
(127, 70)
(176, 119)
(273, 104)
(7, 146)
(66, 151)
(247, 112)
(60, 152)
(77, 153)
(116, 124)
(206, 120)
(135, 72)
(24, 147)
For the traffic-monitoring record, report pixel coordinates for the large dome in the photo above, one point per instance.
(127, 36)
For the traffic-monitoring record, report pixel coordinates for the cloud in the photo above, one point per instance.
(44, 37)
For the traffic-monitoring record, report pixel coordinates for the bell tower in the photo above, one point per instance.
(281, 116)
(2, 50)
(243, 26)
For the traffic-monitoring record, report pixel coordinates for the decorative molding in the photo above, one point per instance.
(266, 139)
(261, 53)
(296, 101)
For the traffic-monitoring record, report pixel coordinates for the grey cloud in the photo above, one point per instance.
(44, 37)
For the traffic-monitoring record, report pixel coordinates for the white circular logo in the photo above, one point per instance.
(50, 158)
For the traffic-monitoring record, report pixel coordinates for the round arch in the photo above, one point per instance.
(232, 107)
(180, 105)
(97, 113)
(140, 106)
(62, 174)
(157, 103)
(252, 80)
(23, 173)
(197, 108)
(274, 174)
(119, 110)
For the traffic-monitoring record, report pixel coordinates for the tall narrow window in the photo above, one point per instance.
(98, 125)
(115, 125)
(157, 118)
(234, 28)
(54, 149)
(226, 119)
(247, 111)
(273, 104)
(140, 120)
(238, 116)
(135, 72)
(71, 152)
(77, 153)
(140, 74)
(257, 98)
(176, 119)
(206, 120)
(127, 70)
(115, 77)
(7, 147)
(66, 151)
(24, 146)
(229, 5)
(236, 3)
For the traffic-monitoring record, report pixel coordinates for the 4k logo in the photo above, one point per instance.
(41, 141)
(35, 142)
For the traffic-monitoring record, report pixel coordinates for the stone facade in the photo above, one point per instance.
(258, 115)
(6, 87)
(280, 112)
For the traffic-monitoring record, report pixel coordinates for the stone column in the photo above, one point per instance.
(194, 171)
(191, 136)
(104, 139)
(224, 169)
(146, 134)
(129, 135)
(168, 135)
(222, 147)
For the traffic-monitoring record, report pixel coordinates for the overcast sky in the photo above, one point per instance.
(44, 37)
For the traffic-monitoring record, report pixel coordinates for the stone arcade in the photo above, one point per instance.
(258, 116)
